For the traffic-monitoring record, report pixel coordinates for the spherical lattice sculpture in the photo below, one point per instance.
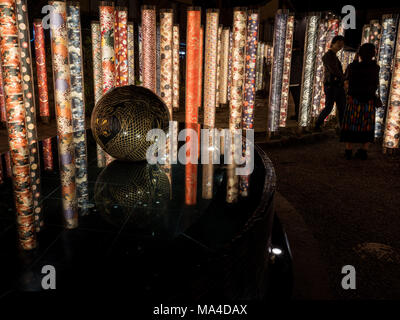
(123, 116)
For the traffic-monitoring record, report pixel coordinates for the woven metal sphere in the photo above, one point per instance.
(123, 116)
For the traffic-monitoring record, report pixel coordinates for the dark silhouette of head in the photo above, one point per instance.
(337, 43)
(367, 52)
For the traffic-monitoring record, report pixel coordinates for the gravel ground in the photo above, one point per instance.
(353, 210)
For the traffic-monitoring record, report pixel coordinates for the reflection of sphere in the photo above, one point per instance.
(121, 119)
(138, 192)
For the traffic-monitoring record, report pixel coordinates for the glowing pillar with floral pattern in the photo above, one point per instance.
(308, 70)
(48, 159)
(386, 52)
(238, 67)
(3, 115)
(223, 93)
(149, 35)
(201, 65)
(277, 70)
(30, 108)
(97, 80)
(219, 51)
(210, 66)
(319, 70)
(365, 33)
(41, 71)
(375, 34)
(287, 60)
(107, 25)
(17, 131)
(175, 68)
(77, 102)
(131, 54)
(122, 31)
(392, 131)
(62, 87)
(192, 64)
(166, 45)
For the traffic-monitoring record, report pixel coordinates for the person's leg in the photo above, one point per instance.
(340, 99)
(329, 101)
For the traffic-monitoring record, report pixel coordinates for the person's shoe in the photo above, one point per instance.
(361, 154)
(348, 153)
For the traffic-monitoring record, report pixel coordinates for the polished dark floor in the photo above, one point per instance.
(163, 249)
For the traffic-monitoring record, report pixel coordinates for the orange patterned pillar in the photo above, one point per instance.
(201, 64)
(192, 64)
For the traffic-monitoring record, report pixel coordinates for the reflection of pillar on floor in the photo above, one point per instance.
(47, 155)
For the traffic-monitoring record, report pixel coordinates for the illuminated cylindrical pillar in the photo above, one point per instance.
(116, 47)
(175, 67)
(166, 44)
(76, 66)
(258, 62)
(17, 131)
(107, 45)
(149, 47)
(107, 31)
(131, 54)
(386, 52)
(310, 48)
(30, 108)
(2, 100)
(249, 83)
(140, 48)
(210, 66)
(392, 131)
(365, 33)
(219, 50)
(158, 68)
(48, 160)
(77, 101)
(223, 80)
(41, 71)
(97, 80)
(96, 56)
(375, 34)
(230, 66)
(287, 60)
(201, 66)
(262, 80)
(269, 54)
(319, 70)
(333, 30)
(123, 72)
(250, 72)
(238, 62)
(192, 64)
(62, 87)
(277, 69)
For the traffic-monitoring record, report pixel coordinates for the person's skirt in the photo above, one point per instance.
(358, 121)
